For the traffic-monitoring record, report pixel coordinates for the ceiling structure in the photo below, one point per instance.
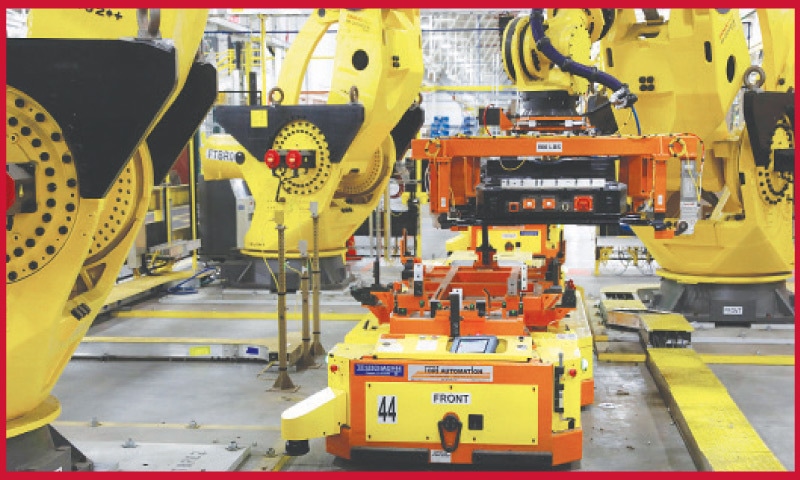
(461, 47)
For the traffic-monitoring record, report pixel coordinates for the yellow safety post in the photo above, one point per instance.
(306, 358)
(283, 382)
(316, 345)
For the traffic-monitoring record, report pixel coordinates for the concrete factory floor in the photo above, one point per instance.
(224, 415)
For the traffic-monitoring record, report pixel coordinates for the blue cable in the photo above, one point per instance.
(636, 117)
(544, 45)
(179, 289)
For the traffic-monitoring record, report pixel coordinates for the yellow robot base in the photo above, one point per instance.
(723, 301)
(44, 413)
(33, 445)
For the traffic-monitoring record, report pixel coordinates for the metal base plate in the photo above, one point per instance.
(260, 349)
(164, 457)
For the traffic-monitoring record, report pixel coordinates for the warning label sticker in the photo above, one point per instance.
(440, 456)
(378, 370)
(449, 373)
(547, 147)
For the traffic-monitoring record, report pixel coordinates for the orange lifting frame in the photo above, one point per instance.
(489, 283)
(455, 162)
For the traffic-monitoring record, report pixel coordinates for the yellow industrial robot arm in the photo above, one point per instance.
(549, 59)
(99, 103)
(301, 50)
(338, 155)
(777, 28)
(732, 244)
(219, 160)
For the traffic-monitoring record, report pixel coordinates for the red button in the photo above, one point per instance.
(272, 158)
(294, 159)
(583, 203)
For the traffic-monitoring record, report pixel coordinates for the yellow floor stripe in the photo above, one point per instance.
(717, 433)
(776, 360)
(206, 315)
(600, 338)
(142, 284)
(67, 423)
(184, 340)
(272, 461)
(621, 357)
(281, 463)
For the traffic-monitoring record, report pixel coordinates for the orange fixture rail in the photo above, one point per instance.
(455, 162)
